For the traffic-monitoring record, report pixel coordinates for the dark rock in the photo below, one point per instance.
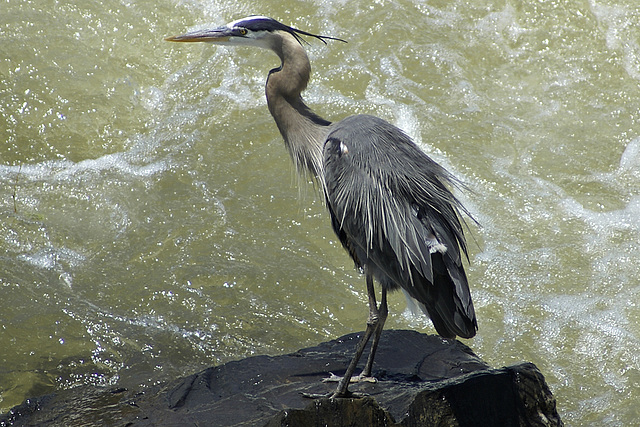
(423, 380)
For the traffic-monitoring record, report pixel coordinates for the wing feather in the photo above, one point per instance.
(393, 211)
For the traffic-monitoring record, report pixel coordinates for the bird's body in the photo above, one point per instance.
(389, 202)
(401, 226)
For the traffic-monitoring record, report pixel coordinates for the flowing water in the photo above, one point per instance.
(152, 225)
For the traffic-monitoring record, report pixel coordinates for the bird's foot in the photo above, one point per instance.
(333, 378)
(357, 379)
(332, 395)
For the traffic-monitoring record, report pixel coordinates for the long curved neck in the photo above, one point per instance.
(303, 131)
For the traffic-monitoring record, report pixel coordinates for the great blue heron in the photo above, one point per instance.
(389, 202)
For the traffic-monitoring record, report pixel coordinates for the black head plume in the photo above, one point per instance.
(263, 23)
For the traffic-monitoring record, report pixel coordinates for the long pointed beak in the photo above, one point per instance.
(216, 35)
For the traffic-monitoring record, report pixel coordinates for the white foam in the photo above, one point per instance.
(630, 159)
(604, 224)
(64, 169)
(618, 23)
(59, 260)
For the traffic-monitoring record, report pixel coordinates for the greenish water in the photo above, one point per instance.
(151, 223)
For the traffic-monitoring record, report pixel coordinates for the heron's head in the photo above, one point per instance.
(257, 31)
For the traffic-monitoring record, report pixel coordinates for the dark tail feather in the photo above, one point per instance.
(448, 301)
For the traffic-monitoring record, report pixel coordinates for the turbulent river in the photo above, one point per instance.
(152, 224)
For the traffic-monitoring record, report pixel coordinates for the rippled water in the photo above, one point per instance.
(152, 224)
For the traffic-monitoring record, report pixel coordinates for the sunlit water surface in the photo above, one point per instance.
(152, 224)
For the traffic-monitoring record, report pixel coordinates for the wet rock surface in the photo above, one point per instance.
(422, 380)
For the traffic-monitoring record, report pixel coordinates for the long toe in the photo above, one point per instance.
(346, 395)
(333, 378)
(364, 379)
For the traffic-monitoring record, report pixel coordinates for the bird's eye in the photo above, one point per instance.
(243, 31)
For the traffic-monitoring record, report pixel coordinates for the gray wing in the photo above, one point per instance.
(392, 210)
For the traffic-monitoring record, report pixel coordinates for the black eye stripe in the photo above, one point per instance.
(261, 23)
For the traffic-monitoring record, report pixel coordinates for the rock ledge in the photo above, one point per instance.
(424, 380)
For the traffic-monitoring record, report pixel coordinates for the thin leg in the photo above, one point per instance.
(383, 311)
(372, 325)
